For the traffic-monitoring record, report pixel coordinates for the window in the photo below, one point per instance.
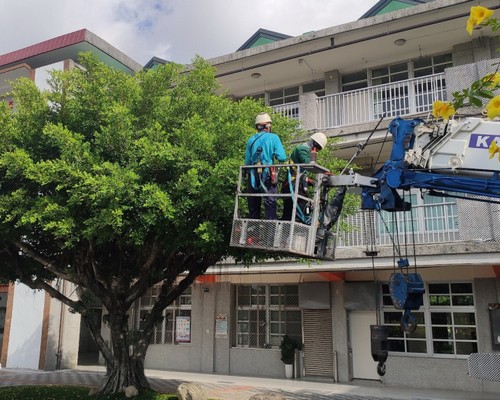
(354, 81)
(391, 100)
(446, 322)
(265, 313)
(432, 218)
(428, 91)
(392, 73)
(441, 213)
(393, 94)
(317, 87)
(395, 222)
(283, 96)
(453, 318)
(164, 332)
(431, 65)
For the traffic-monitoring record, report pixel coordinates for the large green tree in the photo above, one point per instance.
(117, 183)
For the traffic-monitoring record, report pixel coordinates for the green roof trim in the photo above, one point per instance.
(394, 6)
(385, 6)
(261, 41)
(261, 37)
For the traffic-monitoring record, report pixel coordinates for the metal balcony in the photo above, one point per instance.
(403, 98)
(446, 220)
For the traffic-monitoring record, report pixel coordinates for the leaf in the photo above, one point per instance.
(475, 101)
(488, 94)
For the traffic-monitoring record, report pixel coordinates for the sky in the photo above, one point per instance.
(174, 30)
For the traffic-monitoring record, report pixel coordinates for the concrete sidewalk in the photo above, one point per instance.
(223, 387)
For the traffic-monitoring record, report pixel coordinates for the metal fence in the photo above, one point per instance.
(290, 110)
(402, 98)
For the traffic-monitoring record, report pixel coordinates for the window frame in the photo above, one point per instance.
(428, 326)
(437, 63)
(447, 207)
(266, 330)
(164, 332)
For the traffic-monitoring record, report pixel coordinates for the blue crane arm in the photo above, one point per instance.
(397, 174)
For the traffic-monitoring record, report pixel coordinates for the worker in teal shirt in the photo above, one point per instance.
(263, 148)
(301, 155)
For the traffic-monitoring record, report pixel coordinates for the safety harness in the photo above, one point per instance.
(256, 159)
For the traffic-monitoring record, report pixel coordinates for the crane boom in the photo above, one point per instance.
(449, 157)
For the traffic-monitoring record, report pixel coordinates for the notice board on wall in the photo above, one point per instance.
(183, 329)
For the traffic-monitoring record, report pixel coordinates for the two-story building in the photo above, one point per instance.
(396, 60)
(341, 80)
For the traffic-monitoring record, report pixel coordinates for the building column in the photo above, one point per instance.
(308, 111)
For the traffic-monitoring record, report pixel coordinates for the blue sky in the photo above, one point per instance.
(175, 30)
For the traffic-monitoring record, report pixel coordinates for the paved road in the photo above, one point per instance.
(241, 388)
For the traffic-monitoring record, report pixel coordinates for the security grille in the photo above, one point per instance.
(431, 220)
(266, 313)
(478, 220)
(485, 366)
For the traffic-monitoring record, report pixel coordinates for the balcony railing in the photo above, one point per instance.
(290, 110)
(453, 220)
(403, 98)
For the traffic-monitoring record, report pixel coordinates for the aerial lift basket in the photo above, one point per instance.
(295, 237)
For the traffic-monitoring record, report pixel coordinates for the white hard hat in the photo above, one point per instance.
(320, 139)
(262, 118)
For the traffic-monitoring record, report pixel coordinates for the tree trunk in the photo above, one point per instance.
(124, 374)
(125, 369)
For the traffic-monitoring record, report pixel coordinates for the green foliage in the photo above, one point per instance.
(479, 90)
(112, 160)
(70, 393)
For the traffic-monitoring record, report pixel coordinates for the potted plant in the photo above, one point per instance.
(288, 347)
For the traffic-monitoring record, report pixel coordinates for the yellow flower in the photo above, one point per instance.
(493, 149)
(477, 15)
(493, 108)
(492, 80)
(443, 109)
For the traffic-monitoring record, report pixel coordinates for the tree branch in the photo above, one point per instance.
(152, 256)
(48, 265)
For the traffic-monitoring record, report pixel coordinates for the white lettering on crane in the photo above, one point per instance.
(479, 141)
(482, 141)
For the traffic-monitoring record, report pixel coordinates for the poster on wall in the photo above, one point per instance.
(221, 325)
(183, 329)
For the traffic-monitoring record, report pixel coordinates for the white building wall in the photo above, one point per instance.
(43, 73)
(63, 331)
(26, 328)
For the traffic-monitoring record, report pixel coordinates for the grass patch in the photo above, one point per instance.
(55, 392)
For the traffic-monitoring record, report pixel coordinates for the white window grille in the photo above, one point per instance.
(266, 313)
(446, 322)
(431, 219)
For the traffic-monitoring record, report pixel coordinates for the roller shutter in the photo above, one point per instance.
(318, 346)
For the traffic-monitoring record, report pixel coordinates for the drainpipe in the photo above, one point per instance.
(335, 367)
(61, 330)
